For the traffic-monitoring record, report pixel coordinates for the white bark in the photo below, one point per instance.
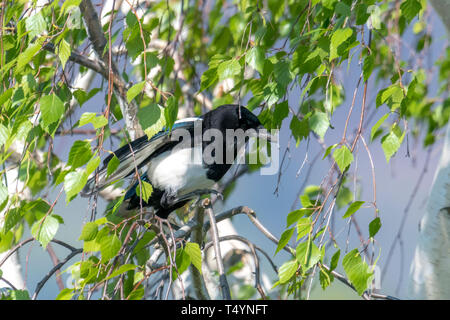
(430, 270)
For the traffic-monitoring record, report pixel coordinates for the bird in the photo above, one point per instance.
(175, 178)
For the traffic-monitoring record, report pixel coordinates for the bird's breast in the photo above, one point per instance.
(179, 170)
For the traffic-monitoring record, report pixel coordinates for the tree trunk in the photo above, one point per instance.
(430, 269)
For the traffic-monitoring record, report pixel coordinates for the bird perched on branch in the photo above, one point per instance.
(184, 162)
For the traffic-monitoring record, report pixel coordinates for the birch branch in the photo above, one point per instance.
(98, 40)
(215, 238)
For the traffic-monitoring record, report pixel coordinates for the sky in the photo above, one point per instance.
(395, 181)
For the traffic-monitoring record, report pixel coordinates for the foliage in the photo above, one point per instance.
(248, 50)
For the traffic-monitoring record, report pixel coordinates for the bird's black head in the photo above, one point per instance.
(231, 116)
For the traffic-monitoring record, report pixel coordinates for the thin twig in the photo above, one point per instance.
(197, 278)
(8, 283)
(41, 283)
(215, 236)
(255, 258)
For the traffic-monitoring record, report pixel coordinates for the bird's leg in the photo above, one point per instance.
(199, 193)
(199, 196)
(169, 199)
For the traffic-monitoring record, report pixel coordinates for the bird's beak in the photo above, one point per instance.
(263, 133)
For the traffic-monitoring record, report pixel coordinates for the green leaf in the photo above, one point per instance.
(109, 247)
(375, 16)
(148, 116)
(327, 152)
(91, 246)
(307, 255)
(299, 129)
(352, 209)
(112, 165)
(82, 97)
(334, 260)
(312, 191)
(182, 261)
(68, 3)
(369, 63)
(63, 51)
(12, 217)
(194, 252)
(137, 294)
(92, 165)
(228, 69)
(410, 8)
(392, 96)
(208, 78)
(45, 229)
(390, 144)
(122, 269)
(147, 190)
(284, 239)
(148, 236)
(305, 201)
(25, 57)
(89, 231)
(342, 9)
(73, 17)
(79, 154)
(272, 93)
(255, 58)
(6, 95)
(90, 117)
(374, 227)
(303, 227)
(377, 125)
(361, 13)
(343, 157)
(6, 241)
(3, 192)
(52, 109)
(20, 295)
(132, 36)
(135, 90)
(22, 130)
(4, 134)
(74, 183)
(277, 8)
(65, 294)
(319, 123)
(294, 216)
(338, 37)
(280, 113)
(357, 271)
(325, 278)
(282, 73)
(287, 270)
(35, 24)
(158, 126)
(344, 197)
(171, 111)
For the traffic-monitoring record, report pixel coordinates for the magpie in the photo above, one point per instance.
(170, 164)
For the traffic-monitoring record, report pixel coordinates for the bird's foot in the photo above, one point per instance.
(169, 200)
